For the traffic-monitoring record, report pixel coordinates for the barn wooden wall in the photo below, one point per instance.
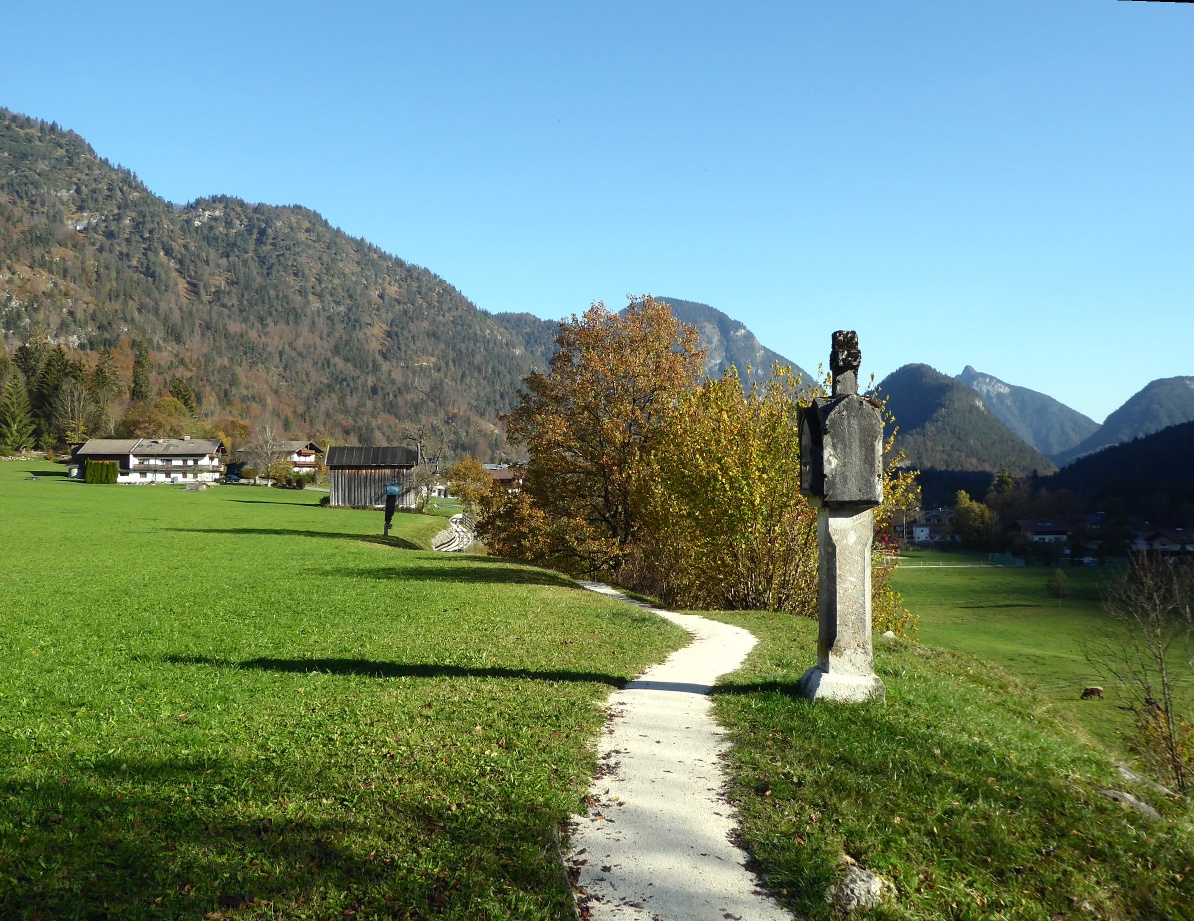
(366, 487)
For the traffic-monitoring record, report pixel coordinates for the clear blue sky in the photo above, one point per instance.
(1008, 185)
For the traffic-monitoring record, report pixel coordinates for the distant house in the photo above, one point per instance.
(303, 456)
(934, 527)
(157, 460)
(1053, 531)
(1164, 540)
(358, 476)
(509, 478)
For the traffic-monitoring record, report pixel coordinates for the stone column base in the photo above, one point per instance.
(848, 689)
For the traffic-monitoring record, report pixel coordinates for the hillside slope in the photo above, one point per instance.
(1158, 405)
(729, 342)
(945, 425)
(1045, 423)
(260, 308)
(1151, 476)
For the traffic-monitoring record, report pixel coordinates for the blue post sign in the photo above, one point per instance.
(392, 490)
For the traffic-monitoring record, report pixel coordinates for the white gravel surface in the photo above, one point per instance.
(656, 842)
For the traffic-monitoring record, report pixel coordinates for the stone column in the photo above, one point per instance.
(841, 447)
(845, 669)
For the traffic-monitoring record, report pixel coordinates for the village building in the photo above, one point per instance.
(1053, 531)
(934, 527)
(156, 460)
(509, 478)
(358, 476)
(1164, 540)
(303, 457)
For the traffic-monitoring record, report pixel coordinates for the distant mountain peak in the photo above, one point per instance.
(1048, 425)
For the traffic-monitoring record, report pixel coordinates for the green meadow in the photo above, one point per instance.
(1007, 616)
(237, 703)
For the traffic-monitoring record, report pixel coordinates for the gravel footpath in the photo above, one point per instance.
(656, 842)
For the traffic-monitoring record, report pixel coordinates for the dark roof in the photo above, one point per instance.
(357, 456)
(1034, 526)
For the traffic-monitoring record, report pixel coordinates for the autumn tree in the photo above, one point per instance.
(973, 521)
(588, 425)
(470, 482)
(1058, 585)
(165, 418)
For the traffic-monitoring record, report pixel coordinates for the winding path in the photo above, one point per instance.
(656, 842)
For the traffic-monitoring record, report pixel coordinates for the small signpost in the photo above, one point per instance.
(841, 473)
(392, 490)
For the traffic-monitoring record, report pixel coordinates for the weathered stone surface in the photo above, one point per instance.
(1127, 799)
(1126, 773)
(860, 888)
(841, 451)
(845, 359)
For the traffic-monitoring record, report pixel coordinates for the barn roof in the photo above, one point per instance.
(357, 456)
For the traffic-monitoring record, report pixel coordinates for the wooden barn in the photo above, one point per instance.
(358, 476)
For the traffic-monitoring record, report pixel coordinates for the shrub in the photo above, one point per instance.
(325, 501)
(104, 472)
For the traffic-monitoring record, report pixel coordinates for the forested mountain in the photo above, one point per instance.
(257, 308)
(943, 424)
(1048, 425)
(729, 342)
(1160, 404)
(1151, 476)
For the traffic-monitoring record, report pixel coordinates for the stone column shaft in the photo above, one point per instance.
(845, 659)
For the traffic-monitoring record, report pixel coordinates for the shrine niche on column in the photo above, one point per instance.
(841, 473)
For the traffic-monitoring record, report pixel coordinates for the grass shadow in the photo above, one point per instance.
(369, 668)
(785, 688)
(314, 504)
(400, 543)
(452, 569)
(47, 473)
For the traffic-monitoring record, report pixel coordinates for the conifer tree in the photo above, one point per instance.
(140, 388)
(16, 420)
(181, 391)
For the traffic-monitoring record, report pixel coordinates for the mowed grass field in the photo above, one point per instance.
(1008, 617)
(235, 703)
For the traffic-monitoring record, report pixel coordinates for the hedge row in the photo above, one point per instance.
(100, 471)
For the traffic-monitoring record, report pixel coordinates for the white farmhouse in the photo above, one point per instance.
(158, 460)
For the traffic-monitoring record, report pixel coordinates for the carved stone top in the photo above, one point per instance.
(844, 361)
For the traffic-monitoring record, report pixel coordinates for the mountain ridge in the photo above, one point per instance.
(1159, 404)
(943, 424)
(1044, 422)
